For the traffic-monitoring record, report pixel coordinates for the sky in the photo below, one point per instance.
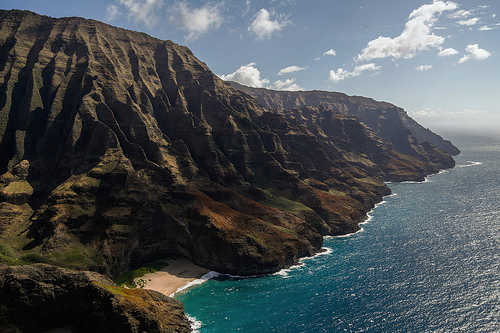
(437, 59)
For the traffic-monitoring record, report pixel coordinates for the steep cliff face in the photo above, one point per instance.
(118, 148)
(388, 121)
(39, 298)
(349, 138)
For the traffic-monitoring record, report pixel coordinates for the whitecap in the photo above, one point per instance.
(195, 324)
(324, 250)
(284, 272)
(369, 217)
(426, 179)
(471, 163)
(204, 278)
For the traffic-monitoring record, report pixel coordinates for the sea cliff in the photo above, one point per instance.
(118, 148)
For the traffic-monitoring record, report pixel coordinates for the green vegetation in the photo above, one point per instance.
(256, 239)
(335, 192)
(283, 203)
(33, 258)
(15, 12)
(127, 279)
(8, 257)
(73, 256)
(87, 181)
(18, 187)
(370, 181)
(285, 230)
(105, 166)
(117, 290)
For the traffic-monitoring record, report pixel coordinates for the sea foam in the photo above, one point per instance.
(195, 324)
(204, 278)
(471, 163)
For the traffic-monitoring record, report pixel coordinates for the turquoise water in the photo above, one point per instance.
(427, 260)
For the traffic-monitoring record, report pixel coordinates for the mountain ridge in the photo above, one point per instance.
(118, 149)
(95, 117)
(367, 108)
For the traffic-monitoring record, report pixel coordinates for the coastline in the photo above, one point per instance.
(178, 275)
(181, 273)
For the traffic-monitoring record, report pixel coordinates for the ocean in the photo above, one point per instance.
(426, 260)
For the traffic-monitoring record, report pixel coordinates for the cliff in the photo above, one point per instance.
(118, 148)
(39, 298)
(387, 120)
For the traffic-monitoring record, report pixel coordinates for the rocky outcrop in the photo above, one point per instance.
(38, 298)
(391, 123)
(118, 148)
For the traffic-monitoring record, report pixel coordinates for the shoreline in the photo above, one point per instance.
(181, 273)
(177, 276)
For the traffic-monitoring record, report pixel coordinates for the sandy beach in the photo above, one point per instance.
(178, 273)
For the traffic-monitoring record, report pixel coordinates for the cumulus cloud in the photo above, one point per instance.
(475, 53)
(248, 75)
(469, 22)
(263, 27)
(342, 74)
(196, 21)
(330, 52)
(287, 85)
(422, 68)
(447, 52)
(291, 69)
(143, 11)
(416, 36)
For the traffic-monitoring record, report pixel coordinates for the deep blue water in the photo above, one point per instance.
(427, 260)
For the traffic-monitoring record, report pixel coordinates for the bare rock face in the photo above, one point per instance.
(38, 298)
(118, 148)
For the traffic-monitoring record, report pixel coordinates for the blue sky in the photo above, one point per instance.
(439, 60)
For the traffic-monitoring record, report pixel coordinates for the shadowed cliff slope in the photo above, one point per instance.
(38, 298)
(118, 148)
(390, 122)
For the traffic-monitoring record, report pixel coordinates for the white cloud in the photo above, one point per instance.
(144, 11)
(447, 52)
(431, 113)
(330, 52)
(486, 28)
(112, 12)
(470, 22)
(291, 69)
(460, 14)
(247, 9)
(422, 68)
(196, 21)
(475, 53)
(342, 74)
(416, 36)
(264, 27)
(248, 75)
(287, 85)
